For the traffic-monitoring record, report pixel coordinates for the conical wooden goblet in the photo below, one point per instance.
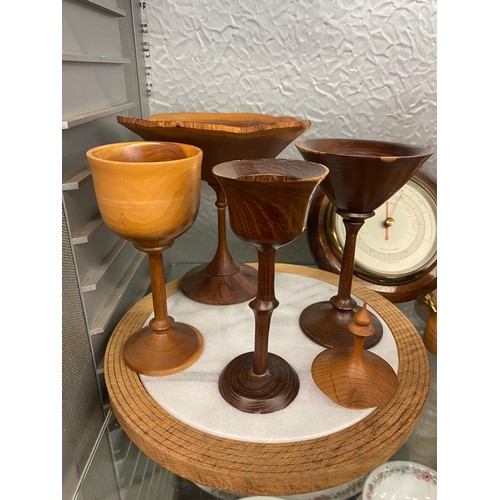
(222, 137)
(351, 376)
(268, 201)
(149, 193)
(363, 175)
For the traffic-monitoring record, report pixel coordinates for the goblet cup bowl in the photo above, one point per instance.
(147, 192)
(269, 198)
(363, 174)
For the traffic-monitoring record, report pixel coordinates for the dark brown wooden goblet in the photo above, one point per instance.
(222, 137)
(363, 175)
(351, 376)
(149, 194)
(268, 201)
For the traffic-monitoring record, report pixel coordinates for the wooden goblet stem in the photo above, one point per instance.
(222, 264)
(263, 306)
(161, 322)
(222, 281)
(164, 346)
(326, 322)
(260, 381)
(343, 299)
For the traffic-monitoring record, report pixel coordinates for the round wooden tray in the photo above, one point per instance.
(255, 468)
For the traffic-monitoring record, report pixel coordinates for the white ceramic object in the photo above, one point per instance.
(401, 480)
(341, 492)
(261, 498)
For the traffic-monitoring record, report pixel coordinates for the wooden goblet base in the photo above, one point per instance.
(155, 354)
(251, 393)
(352, 383)
(327, 326)
(201, 286)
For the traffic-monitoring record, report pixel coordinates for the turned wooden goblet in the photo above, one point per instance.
(222, 137)
(149, 194)
(268, 201)
(351, 376)
(363, 174)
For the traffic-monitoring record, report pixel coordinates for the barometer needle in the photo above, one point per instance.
(386, 216)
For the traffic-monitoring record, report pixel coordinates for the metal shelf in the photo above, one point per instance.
(92, 281)
(102, 320)
(91, 58)
(82, 118)
(102, 76)
(105, 7)
(75, 182)
(83, 235)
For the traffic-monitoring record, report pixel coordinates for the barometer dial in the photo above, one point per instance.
(399, 241)
(396, 249)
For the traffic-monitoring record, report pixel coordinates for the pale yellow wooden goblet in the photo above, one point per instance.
(149, 193)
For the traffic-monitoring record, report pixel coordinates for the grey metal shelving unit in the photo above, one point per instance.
(103, 74)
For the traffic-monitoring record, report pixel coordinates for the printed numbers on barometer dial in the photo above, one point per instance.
(400, 241)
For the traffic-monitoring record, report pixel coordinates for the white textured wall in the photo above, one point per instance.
(361, 69)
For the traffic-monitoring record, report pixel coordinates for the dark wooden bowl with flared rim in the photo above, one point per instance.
(363, 174)
(222, 137)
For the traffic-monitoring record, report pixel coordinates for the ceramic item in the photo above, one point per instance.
(363, 174)
(401, 480)
(268, 201)
(222, 137)
(341, 492)
(149, 193)
(262, 498)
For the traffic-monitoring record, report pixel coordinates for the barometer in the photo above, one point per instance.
(396, 252)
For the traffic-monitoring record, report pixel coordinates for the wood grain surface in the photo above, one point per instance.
(271, 468)
(353, 377)
(430, 334)
(221, 136)
(147, 192)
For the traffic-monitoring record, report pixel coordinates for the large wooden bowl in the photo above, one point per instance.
(221, 136)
